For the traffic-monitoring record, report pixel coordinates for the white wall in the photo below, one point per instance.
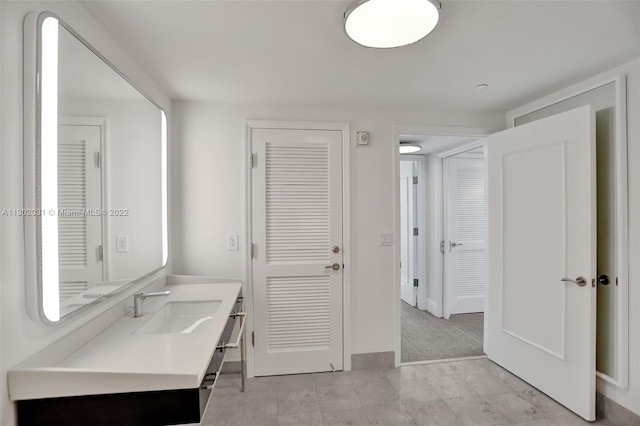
(22, 336)
(209, 163)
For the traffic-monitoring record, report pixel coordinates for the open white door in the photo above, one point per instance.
(465, 262)
(541, 230)
(407, 240)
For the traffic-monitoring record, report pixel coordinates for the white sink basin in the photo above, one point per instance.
(181, 317)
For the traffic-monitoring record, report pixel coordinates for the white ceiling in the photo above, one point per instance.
(296, 51)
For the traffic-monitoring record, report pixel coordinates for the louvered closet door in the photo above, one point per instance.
(79, 190)
(467, 259)
(297, 220)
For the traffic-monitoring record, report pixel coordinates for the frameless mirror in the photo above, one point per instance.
(100, 176)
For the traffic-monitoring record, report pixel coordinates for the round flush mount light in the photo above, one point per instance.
(482, 86)
(409, 149)
(384, 24)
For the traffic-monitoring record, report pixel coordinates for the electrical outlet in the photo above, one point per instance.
(232, 242)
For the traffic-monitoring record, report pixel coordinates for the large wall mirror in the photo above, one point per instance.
(95, 174)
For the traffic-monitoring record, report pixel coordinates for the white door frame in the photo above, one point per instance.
(443, 270)
(247, 279)
(416, 130)
(622, 211)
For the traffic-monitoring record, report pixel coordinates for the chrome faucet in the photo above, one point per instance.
(140, 297)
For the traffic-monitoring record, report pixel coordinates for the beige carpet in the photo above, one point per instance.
(425, 337)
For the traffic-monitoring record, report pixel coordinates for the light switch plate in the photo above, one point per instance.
(122, 244)
(385, 239)
(232, 242)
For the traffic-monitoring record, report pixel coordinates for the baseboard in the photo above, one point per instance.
(373, 361)
(606, 408)
(434, 308)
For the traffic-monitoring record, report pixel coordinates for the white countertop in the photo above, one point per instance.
(118, 361)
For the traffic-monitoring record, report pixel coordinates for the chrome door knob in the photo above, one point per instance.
(335, 266)
(456, 244)
(604, 279)
(581, 281)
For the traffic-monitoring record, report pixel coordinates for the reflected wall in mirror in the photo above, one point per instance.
(100, 176)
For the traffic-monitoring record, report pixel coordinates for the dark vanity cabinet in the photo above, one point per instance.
(165, 407)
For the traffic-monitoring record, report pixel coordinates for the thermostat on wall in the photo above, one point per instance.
(363, 138)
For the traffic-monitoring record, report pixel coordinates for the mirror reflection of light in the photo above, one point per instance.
(49, 169)
(165, 236)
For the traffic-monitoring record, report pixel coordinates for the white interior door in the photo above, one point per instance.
(297, 256)
(79, 191)
(407, 239)
(542, 229)
(465, 261)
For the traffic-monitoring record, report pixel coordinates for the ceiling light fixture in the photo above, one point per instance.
(385, 24)
(409, 149)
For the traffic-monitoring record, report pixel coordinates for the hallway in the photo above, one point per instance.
(426, 338)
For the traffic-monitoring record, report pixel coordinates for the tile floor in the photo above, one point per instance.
(469, 392)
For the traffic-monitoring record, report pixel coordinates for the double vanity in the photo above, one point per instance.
(157, 368)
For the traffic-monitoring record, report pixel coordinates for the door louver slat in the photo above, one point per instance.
(298, 312)
(471, 273)
(72, 229)
(470, 204)
(70, 289)
(297, 203)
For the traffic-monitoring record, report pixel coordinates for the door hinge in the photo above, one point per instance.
(415, 232)
(100, 252)
(415, 180)
(252, 250)
(98, 160)
(415, 282)
(253, 338)
(252, 160)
